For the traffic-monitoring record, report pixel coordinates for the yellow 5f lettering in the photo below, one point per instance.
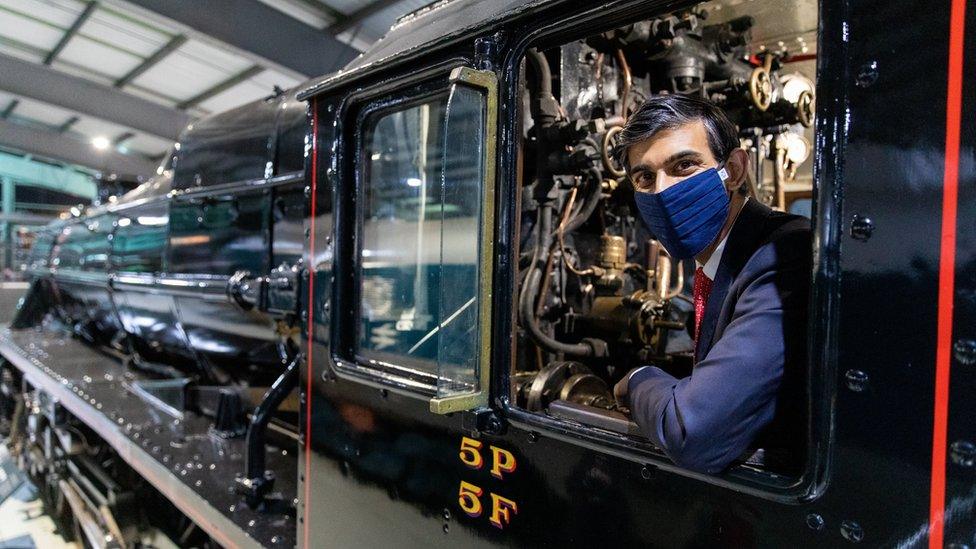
(502, 508)
(469, 499)
(502, 461)
(501, 511)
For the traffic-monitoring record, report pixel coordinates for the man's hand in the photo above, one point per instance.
(620, 390)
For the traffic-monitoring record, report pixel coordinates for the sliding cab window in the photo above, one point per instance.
(423, 255)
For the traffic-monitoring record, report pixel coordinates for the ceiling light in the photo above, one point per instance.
(101, 143)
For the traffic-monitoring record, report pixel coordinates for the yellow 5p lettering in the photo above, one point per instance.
(470, 452)
(502, 461)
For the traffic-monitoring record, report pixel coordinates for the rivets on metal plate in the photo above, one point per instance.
(857, 380)
(867, 74)
(963, 453)
(851, 531)
(965, 351)
(861, 227)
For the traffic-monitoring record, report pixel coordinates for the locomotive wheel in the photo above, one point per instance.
(761, 88)
(78, 534)
(56, 506)
(54, 501)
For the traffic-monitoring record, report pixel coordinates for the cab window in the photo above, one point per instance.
(598, 294)
(421, 258)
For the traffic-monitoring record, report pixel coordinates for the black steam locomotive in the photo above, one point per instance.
(388, 306)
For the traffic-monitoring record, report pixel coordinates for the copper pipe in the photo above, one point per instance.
(628, 82)
(562, 246)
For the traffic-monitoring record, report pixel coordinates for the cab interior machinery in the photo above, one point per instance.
(596, 294)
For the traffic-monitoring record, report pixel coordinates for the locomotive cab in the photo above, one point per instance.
(423, 295)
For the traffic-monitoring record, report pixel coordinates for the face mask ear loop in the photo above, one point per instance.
(723, 174)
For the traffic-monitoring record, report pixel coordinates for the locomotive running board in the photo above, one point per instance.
(36, 353)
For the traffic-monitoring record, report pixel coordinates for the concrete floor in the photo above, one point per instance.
(10, 294)
(24, 525)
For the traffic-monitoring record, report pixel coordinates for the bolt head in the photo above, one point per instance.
(965, 351)
(851, 531)
(963, 453)
(867, 74)
(862, 227)
(857, 380)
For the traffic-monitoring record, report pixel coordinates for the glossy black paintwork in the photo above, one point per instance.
(183, 445)
(160, 289)
(879, 152)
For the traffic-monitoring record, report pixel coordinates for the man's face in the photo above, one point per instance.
(670, 157)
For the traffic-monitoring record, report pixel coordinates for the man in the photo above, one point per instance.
(750, 293)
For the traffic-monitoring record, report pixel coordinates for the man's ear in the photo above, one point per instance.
(737, 167)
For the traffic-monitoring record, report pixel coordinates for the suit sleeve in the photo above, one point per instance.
(708, 419)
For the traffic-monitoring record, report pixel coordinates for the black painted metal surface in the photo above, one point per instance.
(203, 462)
(374, 452)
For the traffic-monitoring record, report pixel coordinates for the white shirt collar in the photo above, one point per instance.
(710, 268)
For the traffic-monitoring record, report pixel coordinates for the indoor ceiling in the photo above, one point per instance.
(108, 84)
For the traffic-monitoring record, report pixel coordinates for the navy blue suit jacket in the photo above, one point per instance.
(746, 388)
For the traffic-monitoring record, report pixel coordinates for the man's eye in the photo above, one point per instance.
(643, 181)
(684, 165)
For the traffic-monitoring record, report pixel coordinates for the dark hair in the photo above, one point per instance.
(666, 112)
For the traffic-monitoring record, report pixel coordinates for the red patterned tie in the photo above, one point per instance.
(703, 286)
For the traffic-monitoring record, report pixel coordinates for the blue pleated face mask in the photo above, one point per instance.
(686, 217)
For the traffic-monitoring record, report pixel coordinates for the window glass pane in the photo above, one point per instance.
(421, 226)
(462, 179)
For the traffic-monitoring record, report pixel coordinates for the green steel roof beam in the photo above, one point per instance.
(43, 175)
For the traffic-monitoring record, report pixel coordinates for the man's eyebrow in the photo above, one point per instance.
(640, 168)
(685, 154)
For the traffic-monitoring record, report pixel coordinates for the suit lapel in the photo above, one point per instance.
(739, 247)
